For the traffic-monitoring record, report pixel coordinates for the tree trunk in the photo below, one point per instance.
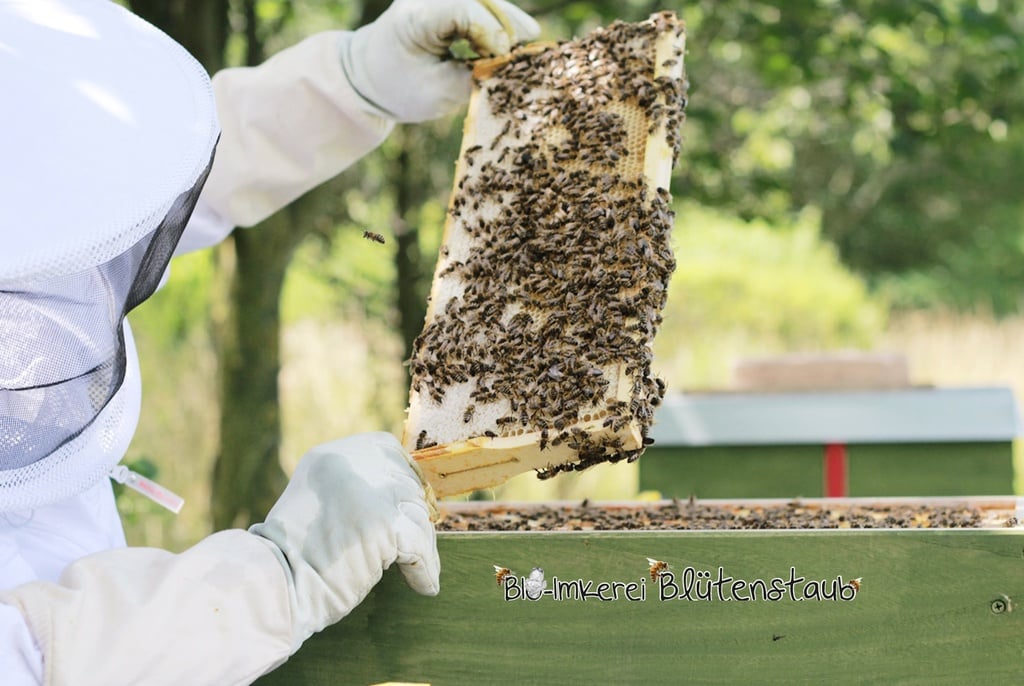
(247, 473)
(411, 287)
(247, 476)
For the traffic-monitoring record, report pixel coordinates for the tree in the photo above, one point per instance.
(895, 118)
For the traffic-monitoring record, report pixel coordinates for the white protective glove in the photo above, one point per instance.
(352, 508)
(400, 62)
(235, 605)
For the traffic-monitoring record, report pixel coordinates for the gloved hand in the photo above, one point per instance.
(237, 603)
(352, 508)
(398, 62)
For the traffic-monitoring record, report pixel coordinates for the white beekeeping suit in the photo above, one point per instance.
(109, 136)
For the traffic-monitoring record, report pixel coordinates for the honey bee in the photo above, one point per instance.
(657, 567)
(500, 573)
(375, 237)
(856, 583)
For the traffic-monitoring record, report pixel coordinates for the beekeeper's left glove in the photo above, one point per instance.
(400, 64)
(239, 602)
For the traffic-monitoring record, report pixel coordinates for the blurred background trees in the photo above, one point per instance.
(847, 165)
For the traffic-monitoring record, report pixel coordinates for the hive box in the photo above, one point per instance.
(895, 442)
(931, 606)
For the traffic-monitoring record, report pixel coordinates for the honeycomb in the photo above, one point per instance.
(554, 266)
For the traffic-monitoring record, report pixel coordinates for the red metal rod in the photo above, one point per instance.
(836, 471)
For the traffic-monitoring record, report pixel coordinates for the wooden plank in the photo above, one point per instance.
(928, 611)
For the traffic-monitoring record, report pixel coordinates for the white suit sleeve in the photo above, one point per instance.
(287, 126)
(238, 603)
(21, 663)
(218, 613)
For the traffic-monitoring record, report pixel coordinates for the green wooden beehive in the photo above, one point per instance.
(895, 442)
(929, 606)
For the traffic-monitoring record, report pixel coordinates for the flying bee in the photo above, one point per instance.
(500, 573)
(657, 567)
(375, 237)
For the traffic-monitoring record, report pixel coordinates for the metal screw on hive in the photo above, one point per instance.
(536, 350)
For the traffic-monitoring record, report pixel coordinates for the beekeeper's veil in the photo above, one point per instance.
(107, 130)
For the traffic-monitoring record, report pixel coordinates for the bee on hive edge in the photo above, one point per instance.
(657, 567)
(500, 573)
(375, 237)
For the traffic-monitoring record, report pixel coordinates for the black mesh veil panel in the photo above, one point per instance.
(63, 350)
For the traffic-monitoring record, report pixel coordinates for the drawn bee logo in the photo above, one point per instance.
(535, 584)
(500, 573)
(855, 583)
(375, 237)
(657, 567)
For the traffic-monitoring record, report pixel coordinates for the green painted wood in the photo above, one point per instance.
(914, 469)
(924, 614)
(733, 472)
(931, 470)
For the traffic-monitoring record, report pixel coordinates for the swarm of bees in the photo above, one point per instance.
(558, 246)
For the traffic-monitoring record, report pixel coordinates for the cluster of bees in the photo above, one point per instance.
(570, 254)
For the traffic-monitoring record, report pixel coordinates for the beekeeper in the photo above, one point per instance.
(108, 132)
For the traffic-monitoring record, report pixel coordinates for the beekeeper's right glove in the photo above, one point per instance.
(238, 603)
(352, 508)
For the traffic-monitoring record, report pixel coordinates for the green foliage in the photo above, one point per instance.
(337, 270)
(183, 303)
(770, 281)
(893, 117)
(740, 288)
(347, 275)
(753, 288)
